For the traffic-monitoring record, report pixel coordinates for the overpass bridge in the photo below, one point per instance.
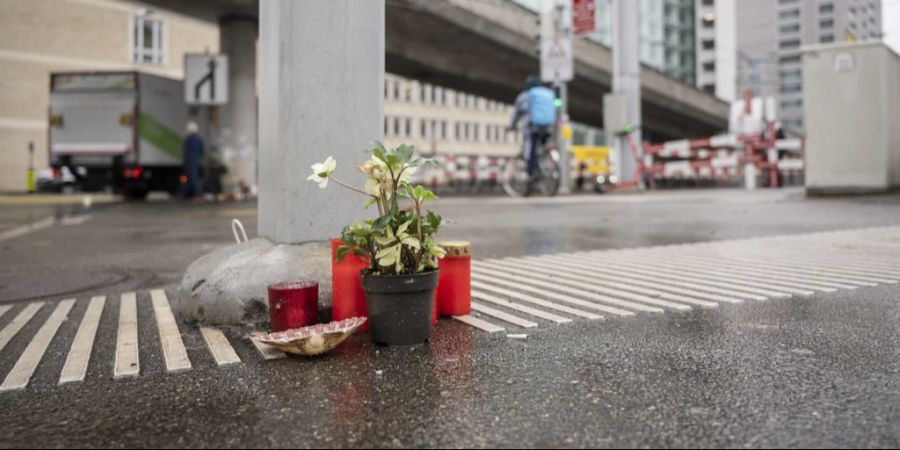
(488, 47)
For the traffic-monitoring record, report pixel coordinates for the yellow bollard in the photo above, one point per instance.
(31, 179)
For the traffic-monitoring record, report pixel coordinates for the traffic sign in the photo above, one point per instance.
(584, 17)
(557, 63)
(205, 79)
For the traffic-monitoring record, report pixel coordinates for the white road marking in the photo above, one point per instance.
(838, 277)
(4, 309)
(79, 357)
(170, 338)
(26, 229)
(268, 352)
(13, 328)
(612, 279)
(702, 277)
(680, 279)
(794, 278)
(497, 314)
(489, 283)
(554, 286)
(521, 308)
(506, 266)
(127, 355)
(715, 274)
(480, 324)
(21, 373)
(622, 290)
(536, 301)
(219, 347)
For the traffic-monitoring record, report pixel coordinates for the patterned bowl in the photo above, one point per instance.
(313, 340)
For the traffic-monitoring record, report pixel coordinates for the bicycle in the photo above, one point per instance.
(516, 181)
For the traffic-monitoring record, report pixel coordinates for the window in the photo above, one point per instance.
(826, 8)
(709, 44)
(790, 59)
(789, 45)
(789, 29)
(791, 88)
(826, 38)
(792, 104)
(709, 88)
(826, 24)
(148, 40)
(709, 66)
(789, 14)
(792, 75)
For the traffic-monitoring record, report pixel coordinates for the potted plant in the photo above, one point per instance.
(399, 245)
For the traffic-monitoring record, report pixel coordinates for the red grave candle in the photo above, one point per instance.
(348, 299)
(454, 291)
(293, 304)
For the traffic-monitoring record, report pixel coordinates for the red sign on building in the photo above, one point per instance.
(583, 17)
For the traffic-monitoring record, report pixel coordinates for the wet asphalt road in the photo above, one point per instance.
(820, 371)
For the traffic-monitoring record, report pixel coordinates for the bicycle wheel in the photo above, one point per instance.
(515, 177)
(551, 174)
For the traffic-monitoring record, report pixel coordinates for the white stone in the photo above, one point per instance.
(229, 286)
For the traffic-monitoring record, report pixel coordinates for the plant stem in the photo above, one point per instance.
(333, 178)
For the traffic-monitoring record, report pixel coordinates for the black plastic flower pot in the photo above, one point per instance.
(400, 307)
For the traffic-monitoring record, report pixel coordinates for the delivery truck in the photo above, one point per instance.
(118, 130)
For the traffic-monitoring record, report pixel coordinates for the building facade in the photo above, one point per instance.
(441, 121)
(38, 37)
(756, 45)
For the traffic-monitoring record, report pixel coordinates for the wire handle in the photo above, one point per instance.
(236, 226)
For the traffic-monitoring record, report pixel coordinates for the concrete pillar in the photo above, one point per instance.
(321, 94)
(238, 118)
(627, 75)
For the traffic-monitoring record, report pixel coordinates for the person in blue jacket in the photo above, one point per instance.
(192, 150)
(537, 106)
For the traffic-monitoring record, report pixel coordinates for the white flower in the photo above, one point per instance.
(321, 172)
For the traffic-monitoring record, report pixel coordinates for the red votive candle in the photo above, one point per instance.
(454, 291)
(348, 299)
(293, 304)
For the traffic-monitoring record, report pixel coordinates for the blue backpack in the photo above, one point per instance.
(542, 106)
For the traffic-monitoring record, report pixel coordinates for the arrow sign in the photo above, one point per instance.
(205, 79)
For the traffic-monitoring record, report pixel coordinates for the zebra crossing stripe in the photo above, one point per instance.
(738, 281)
(521, 308)
(677, 280)
(614, 279)
(267, 352)
(488, 284)
(480, 324)
(21, 373)
(793, 279)
(218, 345)
(13, 328)
(536, 301)
(506, 317)
(698, 277)
(622, 290)
(595, 299)
(821, 274)
(79, 357)
(127, 356)
(170, 338)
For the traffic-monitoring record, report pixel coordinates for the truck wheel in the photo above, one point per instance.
(136, 194)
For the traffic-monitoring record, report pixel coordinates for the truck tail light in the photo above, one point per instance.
(134, 173)
(57, 173)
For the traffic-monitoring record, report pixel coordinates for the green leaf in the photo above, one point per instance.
(412, 242)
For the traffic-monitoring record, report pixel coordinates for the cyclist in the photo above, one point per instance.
(537, 105)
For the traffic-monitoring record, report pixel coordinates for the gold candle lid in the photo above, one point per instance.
(457, 248)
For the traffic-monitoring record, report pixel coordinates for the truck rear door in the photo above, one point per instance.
(92, 115)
